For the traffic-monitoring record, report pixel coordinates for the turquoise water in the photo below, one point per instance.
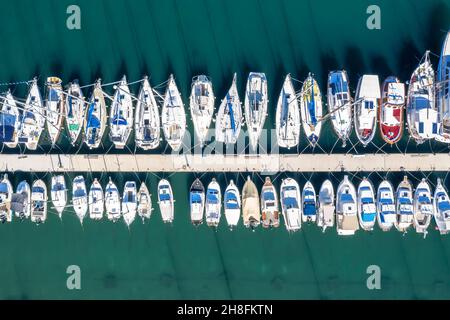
(218, 38)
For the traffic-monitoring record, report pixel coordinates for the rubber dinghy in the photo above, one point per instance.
(9, 121)
(229, 116)
(232, 205)
(146, 120)
(421, 110)
(75, 111)
(287, 120)
(33, 118)
(95, 120)
(366, 108)
(390, 115)
(255, 105)
(443, 92)
(201, 104)
(290, 204)
(340, 104)
(311, 109)
(197, 202)
(173, 116)
(121, 115)
(55, 105)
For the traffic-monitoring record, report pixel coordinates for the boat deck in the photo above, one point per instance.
(224, 163)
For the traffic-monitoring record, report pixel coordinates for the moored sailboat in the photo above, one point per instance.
(201, 104)
(390, 114)
(112, 201)
(340, 104)
(269, 205)
(9, 121)
(75, 111)
(366, 108)
(146, 120)
(232, 205)
(54, 108)
(129, 203)
(121, 115)
(79, 197)
(229, 116)
(311, 109)
(95, 120)
(443, 92)
(173, 116)
(287, 120)
(255, 105)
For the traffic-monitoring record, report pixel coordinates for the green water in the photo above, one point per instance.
(218, 38)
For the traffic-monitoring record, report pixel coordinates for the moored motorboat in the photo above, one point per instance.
(251, 214)
(129, 202)
(269, 205)
(38, 202)
(95, 119)
(390, 113)
(147, 125)
(112, 201)
(33, 118)
(404, 205)
(441, 206)
(367, 210)
(287, 121)
(290, 204)
(96, 201)
(309, 203)
(9, 121)
(327, 209)
(173, 117)
(366, 108)
(346, 208)
(421, 109)
(213, 204)
(75, 111)
(229, 116)
(311, 109)
(197, 202)
(232, 205)
(255, 105)
(58, 193)
(423, 207)
(6, 192)
(340, 104)
(166, 201)
(121, 115)
(21, 203)
(79, 197)
(144, 200)
(54, 108)
(386, 214)
(201, 104)
(442, 92)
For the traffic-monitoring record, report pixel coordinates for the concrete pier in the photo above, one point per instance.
(224, 163)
